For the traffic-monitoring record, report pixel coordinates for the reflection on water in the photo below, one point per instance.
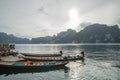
(93, 70)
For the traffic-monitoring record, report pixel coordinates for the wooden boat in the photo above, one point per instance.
(41, 55)
(34, 65)
(69, 58)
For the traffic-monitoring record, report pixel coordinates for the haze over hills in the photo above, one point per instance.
(94, 33)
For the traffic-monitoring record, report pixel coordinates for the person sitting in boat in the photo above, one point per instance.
(82, 56)
(61, 52)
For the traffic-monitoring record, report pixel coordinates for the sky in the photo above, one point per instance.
(39, 18)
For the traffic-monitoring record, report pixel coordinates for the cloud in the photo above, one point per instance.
(42, 10)
(20, 17)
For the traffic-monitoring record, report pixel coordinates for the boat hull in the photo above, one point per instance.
(51, 58)
(41, 55)
(9, 71)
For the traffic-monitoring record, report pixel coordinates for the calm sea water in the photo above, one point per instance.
(102, 62)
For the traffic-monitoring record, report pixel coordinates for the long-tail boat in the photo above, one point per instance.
(34, 64)
(70, 58)
(41, 55)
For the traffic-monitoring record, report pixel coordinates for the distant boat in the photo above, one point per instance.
(41, 55)
(34, 65)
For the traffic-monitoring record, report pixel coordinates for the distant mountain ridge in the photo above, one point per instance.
(5, 38)
(95, 33)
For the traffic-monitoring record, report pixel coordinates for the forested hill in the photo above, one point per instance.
(98, 33)
(5, 38)
(95, 33)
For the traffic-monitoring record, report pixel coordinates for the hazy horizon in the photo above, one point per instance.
(39, 18)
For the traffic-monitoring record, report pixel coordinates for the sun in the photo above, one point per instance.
(73, 14)
(74, 19)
